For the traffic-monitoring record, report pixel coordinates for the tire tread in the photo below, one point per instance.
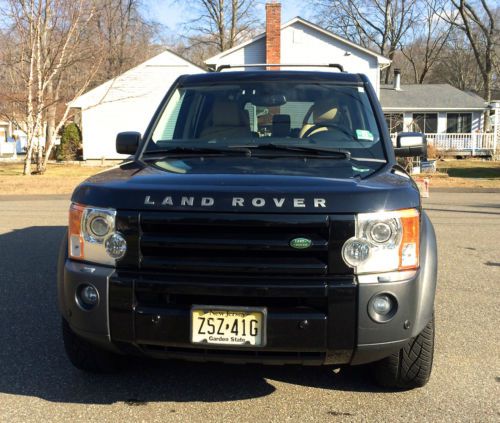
(411, 366)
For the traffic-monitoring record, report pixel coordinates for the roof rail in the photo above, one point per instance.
(303, 65)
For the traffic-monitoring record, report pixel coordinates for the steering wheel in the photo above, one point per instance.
(341, 128)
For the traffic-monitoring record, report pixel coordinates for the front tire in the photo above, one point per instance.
(86, 356)
(411, 366)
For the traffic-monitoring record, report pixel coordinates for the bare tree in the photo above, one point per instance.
(129, 38)
(380, 24)
(47, 46)
(479, 22)
(456, 65)
(427, 38)
(221, 23)
(56, 50)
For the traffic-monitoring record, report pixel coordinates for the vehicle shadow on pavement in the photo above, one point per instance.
(33, 362)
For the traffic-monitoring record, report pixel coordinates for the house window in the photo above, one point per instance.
(425, 122)
(459, 123)
(394, 122)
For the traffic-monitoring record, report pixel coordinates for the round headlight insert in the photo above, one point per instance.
(355, 251)
(116, 246)
(99, 226)
(380, 232)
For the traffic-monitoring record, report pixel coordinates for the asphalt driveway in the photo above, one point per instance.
(37, 383)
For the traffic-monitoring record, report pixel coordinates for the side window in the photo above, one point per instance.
(166, 126)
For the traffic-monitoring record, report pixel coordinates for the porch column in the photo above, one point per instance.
(496, 126)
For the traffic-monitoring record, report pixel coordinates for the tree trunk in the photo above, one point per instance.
(487, 95)
(27, 159)
(50, 137)
(51, 127)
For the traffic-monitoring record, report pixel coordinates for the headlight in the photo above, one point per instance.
(384, 242)
(92, 235)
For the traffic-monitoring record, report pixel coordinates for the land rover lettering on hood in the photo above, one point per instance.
(262, 217)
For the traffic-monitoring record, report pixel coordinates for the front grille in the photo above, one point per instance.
(235, 243)
(157, 299)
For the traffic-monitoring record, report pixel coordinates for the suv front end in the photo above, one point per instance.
(252, 252)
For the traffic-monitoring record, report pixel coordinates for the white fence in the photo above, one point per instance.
(460, 142)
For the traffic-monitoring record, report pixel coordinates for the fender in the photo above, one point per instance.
(63, 255)
(427, 278)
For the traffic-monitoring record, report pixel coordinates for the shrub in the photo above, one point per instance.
(70, 146)
(433, 152)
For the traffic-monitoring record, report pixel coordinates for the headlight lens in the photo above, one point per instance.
(356, 251)
(381, 232)
(93, 237)
(384, 242)
(99, 227)
(116, 246)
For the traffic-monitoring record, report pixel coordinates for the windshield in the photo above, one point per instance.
(273, 114)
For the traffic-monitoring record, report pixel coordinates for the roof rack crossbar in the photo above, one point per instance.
(305, 65)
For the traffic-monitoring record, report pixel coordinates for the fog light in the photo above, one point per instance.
(116, 246)
(382, 304)
(382, 307)
(87, 296)
(355, 251)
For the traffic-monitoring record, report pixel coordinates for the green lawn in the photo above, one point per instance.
(471, 169)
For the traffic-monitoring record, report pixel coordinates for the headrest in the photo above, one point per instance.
(281, 119)
(226, 113)
(324, 110)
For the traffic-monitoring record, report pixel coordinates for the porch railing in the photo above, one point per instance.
(460, 142)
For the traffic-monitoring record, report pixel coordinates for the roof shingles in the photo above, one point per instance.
(428, 97)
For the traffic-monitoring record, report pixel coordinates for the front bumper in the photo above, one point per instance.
(150, 315)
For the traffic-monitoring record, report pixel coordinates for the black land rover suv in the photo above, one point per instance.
(262, 218)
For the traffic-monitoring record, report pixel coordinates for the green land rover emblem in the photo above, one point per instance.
(300, 243)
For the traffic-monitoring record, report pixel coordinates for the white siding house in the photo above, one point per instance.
(303, 42)
(452, 119)
(126, 103)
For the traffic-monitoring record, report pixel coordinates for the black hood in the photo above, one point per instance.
(325, 187)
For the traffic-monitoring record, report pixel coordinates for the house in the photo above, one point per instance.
(7, 147)
(452, 119)
(301, 42)
(126, 103)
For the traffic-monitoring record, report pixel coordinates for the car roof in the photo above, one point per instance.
(277, 75)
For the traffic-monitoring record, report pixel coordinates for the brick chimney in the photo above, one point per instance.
(273, 34)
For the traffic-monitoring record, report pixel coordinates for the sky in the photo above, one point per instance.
(174, 13)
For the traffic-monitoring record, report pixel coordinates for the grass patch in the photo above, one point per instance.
(53, 169)
(58, 179)
(484, 169)
(63, 178)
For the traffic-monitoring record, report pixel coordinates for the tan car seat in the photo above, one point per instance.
(321, 111)
(228, 120)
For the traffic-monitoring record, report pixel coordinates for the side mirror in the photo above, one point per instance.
(410, 144)
(127, 142)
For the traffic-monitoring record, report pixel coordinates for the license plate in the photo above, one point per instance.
(220, 325)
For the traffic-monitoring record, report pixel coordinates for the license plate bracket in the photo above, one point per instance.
(228, 326)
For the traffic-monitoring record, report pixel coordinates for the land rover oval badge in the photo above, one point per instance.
(300, 243)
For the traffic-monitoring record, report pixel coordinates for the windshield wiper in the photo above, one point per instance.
(198, 151)
(309, 151)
